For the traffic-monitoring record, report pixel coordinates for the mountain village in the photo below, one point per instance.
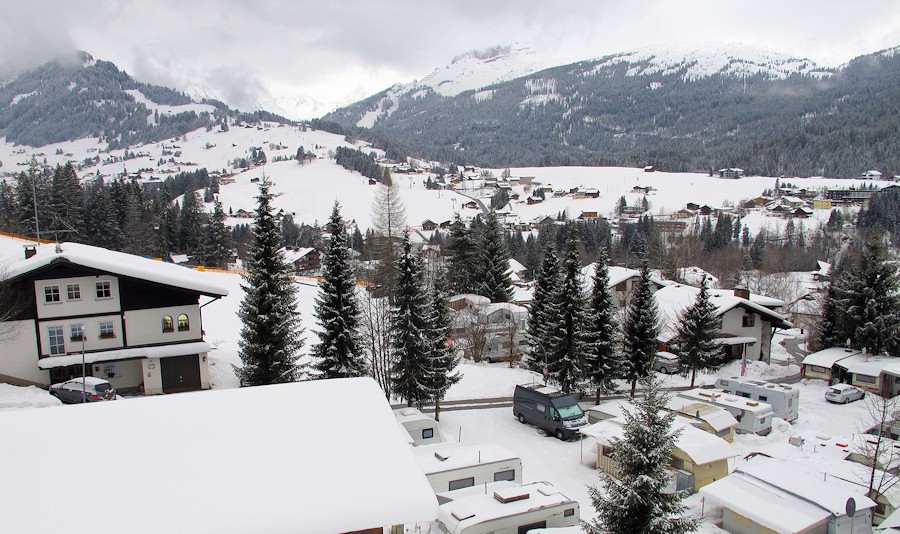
(434, 347)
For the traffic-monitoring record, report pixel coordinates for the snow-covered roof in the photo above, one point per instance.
(292, 255)
(460, 514)
(297, 462)
(755, 298)
(161, 351)
(867, 364)
(694, 275)
(514, 309)
(721, 398)
(515, 266)
(117, 263)
(891, 523)
(471, 298)
(675, 298)
(717, 418)
(828, 357)
(457, 455)
(617, 275)
(404, 415)
(700, 446)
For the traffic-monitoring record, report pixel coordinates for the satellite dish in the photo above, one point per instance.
(851, 507)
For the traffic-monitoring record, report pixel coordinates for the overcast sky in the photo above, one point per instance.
(344, 50)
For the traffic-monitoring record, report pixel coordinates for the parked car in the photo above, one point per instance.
(558, 414)
(844, 393)
(75, 392)
(666, 362)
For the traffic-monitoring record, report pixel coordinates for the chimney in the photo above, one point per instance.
(30, 250)
(742, 292)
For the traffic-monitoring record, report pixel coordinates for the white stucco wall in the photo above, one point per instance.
(152, 376)
(128, 373)
(144, 327)
(88, 304)
(732, 323)
(92, 339)
(18, 354)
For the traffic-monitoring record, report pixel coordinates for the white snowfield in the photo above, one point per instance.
(275, 459)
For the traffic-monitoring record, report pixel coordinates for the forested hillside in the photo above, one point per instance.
(600, 113)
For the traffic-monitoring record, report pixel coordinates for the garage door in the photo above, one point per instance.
(180, 373)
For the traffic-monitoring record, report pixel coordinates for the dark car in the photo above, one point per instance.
(93, 389)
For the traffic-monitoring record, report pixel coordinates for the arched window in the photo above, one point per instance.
(183, 323)
(167, 324)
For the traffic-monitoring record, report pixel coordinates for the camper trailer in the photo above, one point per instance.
(453, 466)
(544, 407)
(712, 419)
(785, 399)
(754, 417)
(510, 510)
(422, 429)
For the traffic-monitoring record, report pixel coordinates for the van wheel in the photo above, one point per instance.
(521, 419)
(560, 436)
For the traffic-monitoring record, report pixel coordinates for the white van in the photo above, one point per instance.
(784, 398)
(509, 510)
(754, 417)
(422, 429)
(453, 466)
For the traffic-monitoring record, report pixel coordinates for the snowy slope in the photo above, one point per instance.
(703, 60)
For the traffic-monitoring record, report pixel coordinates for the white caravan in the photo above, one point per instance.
(754, 417)
(453, 466)
(509, 510)
(422, 429)
(784, 398)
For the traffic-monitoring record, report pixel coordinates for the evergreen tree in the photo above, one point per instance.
(566, 334)
(443, 359)
(101, 223)
(493, 263)
(640, 330)
(601, 334)
(339, 350)
(410, 335)
(191, 223)
(869, 301)
(271, 330)
(217, 243)
(543, 310)
(696, 333)
(636, 502)
(830, 334)
(66, 199)
(461, 266)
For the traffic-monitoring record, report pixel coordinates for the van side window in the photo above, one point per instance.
(541, 408)
(509, 474)
(461, 483)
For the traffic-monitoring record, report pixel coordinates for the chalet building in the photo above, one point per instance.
(732, 173)
(428, 225)
(134, 321)
(304, 260)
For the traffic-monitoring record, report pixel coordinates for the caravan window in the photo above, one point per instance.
(461, 483)
(427, 433)
(509, 474)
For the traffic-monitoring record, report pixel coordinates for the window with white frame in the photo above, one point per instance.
(107, 330)
(76, 332)
(57, 340)
(51, 294)
(73, 292)
(104, 290)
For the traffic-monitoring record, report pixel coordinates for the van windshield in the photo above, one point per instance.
(570, 412)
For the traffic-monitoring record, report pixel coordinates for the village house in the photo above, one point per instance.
(303, 260)
(732, 173)
(622, 282)
(489, 331)
(131, 320)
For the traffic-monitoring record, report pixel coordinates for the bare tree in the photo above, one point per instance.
(510, 334)
(472, 334)
(875, 446)
(375, 327)
(12, 303)
(389, 221)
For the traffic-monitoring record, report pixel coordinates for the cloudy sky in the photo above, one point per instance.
(247, 52)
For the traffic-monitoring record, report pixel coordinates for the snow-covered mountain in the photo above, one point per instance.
(703, 60)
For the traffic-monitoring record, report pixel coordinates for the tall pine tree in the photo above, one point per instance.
(696, 332)
(339, 350)
(566, 333)
(443, 360)
(829, 331)
(636, 502)
(601, 333)
(271, 332)
(462, 262)
(640, 330)
(411, 331)
(493, 263)
(543, 309)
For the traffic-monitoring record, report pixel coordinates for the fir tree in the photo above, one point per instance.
(493, 263)
(566, 333)
(696, 333)
(601, 333)
(217, 243)
(829, 334)
(543, 310)
(191, 223)
(869, 301)
(461, 266)
(636, 502)
(66, 199)
(640, 330)
(410, 331)
(271, 331)
(443, 359)
(339, 350)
